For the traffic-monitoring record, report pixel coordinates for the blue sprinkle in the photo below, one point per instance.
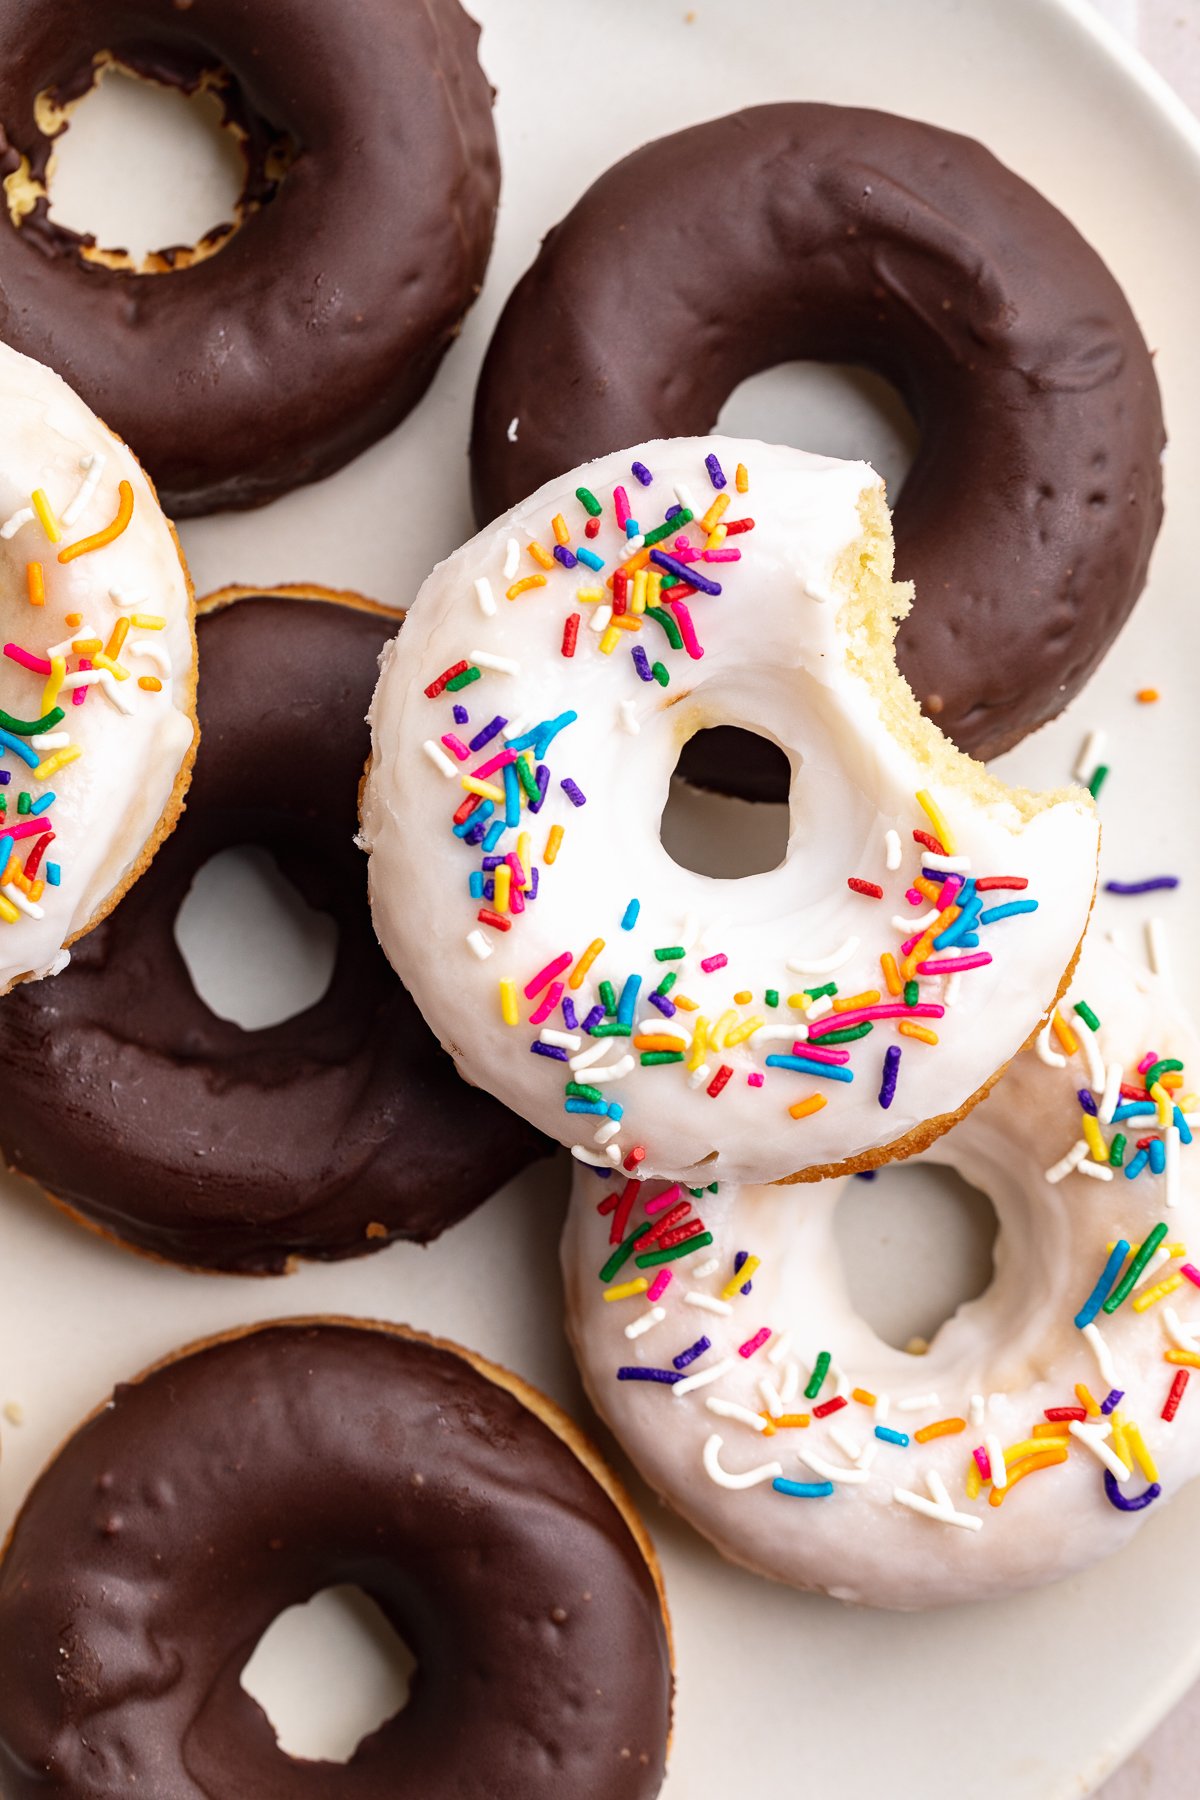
(541, 736)
(641, 663)
(886, 1435)
(628, 1001)
(685, 572)
(1183, 1128)
(44, 804)
(666, 1007)
(461, 715)
(642, 473)
(1104, 1286)
(568, 1011)
(475, 884)
(590, 558)
(573, 791)
(594, 1018)
(22, 749)
(1158, 1156)
(53, 874)
(804, 1065)
(554, 1051)
(495, 832)
(1133, 1169)
(803, 1490)
(692, 1352)
(6, 850)
(1133, 1109)
(482, 813)
(512, 796)
(564, 556)
(632, 528)
(615, 1110)
(595, 1107)
(630, 916)
(1088, 1104)
(1007, 910)
(640, 1374)
(487, 734)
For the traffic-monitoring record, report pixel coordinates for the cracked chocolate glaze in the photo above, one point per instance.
(831, 234)
(243, 1478)
(319, 323)
(323, 1136)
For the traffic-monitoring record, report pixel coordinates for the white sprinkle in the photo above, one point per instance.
(607, 1131)
(634, 543)
(434, 752)
(50, 740)
(848, 1445)
(1156, 948)
(729, 1409)
(591, 1055)
(485, 597)
(1046, 1051)
(498, 665)
(824, 965)
(932, 1509)
(646, 1322)
(1097, 1077)
(661, 1027)
(614, 1155)
(479, 944)
(708, 1303)
(511, 433)
(819, 1008)
(1097, 1171)
(892, 842)
(699, 1076)
(615, 1071)
(713, 1373)
(110, 687)
(153, 650)
(691, 931)
(23, 516)
(976, 1411)
(1102, 1353)
(600, 619)
(790, 1385)
(1090, 753)
(627, 715)
(22, 901)
(585, 1154)
(779, 1351)
(950, 991)
(909, 925)
(996, 1462)
(706, 1269)
(883, 1406)
(1159, 1260)
(1092, 1438)
(93, 465)
(772, 1399)
(58, 962)
(1112, 1093)
(945, 865)
(566, 1040)
(1177, 1331)
(686, 499)
(781, 1034)
(1061, 1169)
(124, 599)
(831, 1471)
(918, 1403)
(747, 1478)
(512, 559)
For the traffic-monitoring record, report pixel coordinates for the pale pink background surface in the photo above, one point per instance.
(1168, 33)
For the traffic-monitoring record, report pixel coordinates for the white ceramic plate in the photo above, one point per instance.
(1039, 1696)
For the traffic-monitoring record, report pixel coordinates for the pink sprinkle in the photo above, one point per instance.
(452, 743)
(712, 963)
(755, 1343)
(665, 1199)
(1192, 1273)
(39, 665)
(493, 763)
(804, 1047)
(754, 1080)
(950, 887)
(621, 505)
(925, 1009)
(687, 630)
(26, 827)
(954, 965)
(547, 974)
(913, 898)
(981, 1462)
(685, 552)
(722, 555)
(519, 877)
(81, 693)
(1148, 1061)
(553, 995)
(658, 1286)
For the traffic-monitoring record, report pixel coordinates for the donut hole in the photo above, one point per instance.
(713, 834)
(256, 952)
(834, 409)
(917, 1242)
(159, 177)
(329, 1672)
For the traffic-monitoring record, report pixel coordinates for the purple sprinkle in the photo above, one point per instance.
(461, 715)
(739, 1263)
(488, 733)
(568, 1009)
(867, 1175)
(689, 1355)
(688, 572)
(716, 473)
(1121, 1501)
(488, 863)
(542, 776)
(673, 512)
(555, 1051)
(489, 887)
(1087, 1103)
(1150, 886)
(1114, 1400)
(564, 556)
(572, 790)
(666, 1007)
(594, 1018)
(476, 834)
(642, 473)
(891, 1069)
(531, 891)
(641, 663)
(635, 1374)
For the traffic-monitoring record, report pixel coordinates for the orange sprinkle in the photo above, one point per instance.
(940, 1428)
(803, 1109)
(924, 944)
(741, 480)
(523, 586)
(541, 557)
(1028, 1465)
(1186, 1359)
(715, 513)
(150, 683)
(790, 1421)
(107, 534)
(864, 1396)
(116, 642)
(1147, 696)
(1064, 1034)
(852, 1002)
(652, 1041)
(743, 997)
(1049, 1428)
(73, 620)
(633, 563)
(687, 1005)
(35, 578)
(1085, 1396)
(930, 889)
(558, 526)
(552, 843)
(891, 973)
(908, 1029)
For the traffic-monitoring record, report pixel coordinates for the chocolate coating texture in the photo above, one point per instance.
(182, 1133)
(180, 1521)
(319, 324)
(834, 234)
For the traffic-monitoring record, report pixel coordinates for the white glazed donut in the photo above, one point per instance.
(721, 1058)
(101, 632)
(888, 1514)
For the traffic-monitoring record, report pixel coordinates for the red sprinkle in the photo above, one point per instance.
(36, 854)
(669, 1221)
(463, 812)
(636, 1155)
(733, 527)
(931, 843)
(986, 883)
(486, 916)
(570, 633)
(620, 592)
(712, 963)
(592, 528)
(1175, 1395)
(436, 687)
(719, 1079)
(754, 1343)
(621, 1205)
(1066, 1412)
(670, 1239)
(829, 1406)
(871, 889)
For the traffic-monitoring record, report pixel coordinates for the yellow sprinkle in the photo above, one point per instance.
(637, 603)
(151, 683)
(487, 790)
(114, 668)
(541, 556)
(974, 1480)
(523, 586)
(1064, 1034)
(936, 817)
(1147, 696)
(653, 584)
(1162, 1100)
(523, 857)
(509, 1011)
(148, 622)
(1031, 1446)
(558, 526)
(804, 1108)
(609, 640)
(1120, 1442)
(741, 480)
(685, 1004)
(716, 538)
(58, 668)
(86, 646)
(852, 1002)
(1085, 1396)
(552, 843)
(35, 581)
(589, 595)
(585, 962)
(699, 1042)
(503, 880)
(627, 1289)
(116, 642)
(801, 1002)
(50, 524)
(743, 997)
(726, 1022)
(891, 974)
(921, 1032)
(8, 911)
(741, 1278)
(1094, 1138)
(715, 513)
(1152, 1295)
(57, 760)
(745, 1030)
(1141, 1454)
(1188, 1102)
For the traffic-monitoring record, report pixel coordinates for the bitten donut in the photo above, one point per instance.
(753, 1398)
(795, 1023)
(833, 234)
(178, 1132)
(97, 671)
(247, 1474)
(280, 346)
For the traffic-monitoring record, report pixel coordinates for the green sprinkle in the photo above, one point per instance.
(676, 523)
(671, 953)
(31, 727)
(820, 1371)
(668, 581)
(1099, 777)
(24, 802)
(771, 997)
(589, 502)
(650, 1057)
(662, 617)
(820, 993)
(847, 1035)
(660, 674)
(578, 1090)
(713, 1186)
(1128, 1280)
(462, 681)
(1164, 1066)
(1089, 1018)
(1116, 1150)
(666, 984)
(528, 781)
(624, 1251)
(612, 1029)
(912, 992)
(698, 1242)
(695, 1192)
(608, 997)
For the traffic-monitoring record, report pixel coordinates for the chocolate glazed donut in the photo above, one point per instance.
(249, 1474)
(832, 234)
(320, 323)
(182, 1134)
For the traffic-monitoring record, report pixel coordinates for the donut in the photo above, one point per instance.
(286, 342)
(1072, 1368)
(97, 671)
(248, 1473)
(834, 234)
(521, 891)
(178, 1132)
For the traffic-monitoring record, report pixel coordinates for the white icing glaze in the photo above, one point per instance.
(109, 801)
(776, 659)
(996, 1364)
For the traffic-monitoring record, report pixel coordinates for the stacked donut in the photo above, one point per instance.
(716, 1056)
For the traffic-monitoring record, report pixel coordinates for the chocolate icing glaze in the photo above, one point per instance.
(183, 1134)
(182, 1519)
(319, 324)
(833, 234)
